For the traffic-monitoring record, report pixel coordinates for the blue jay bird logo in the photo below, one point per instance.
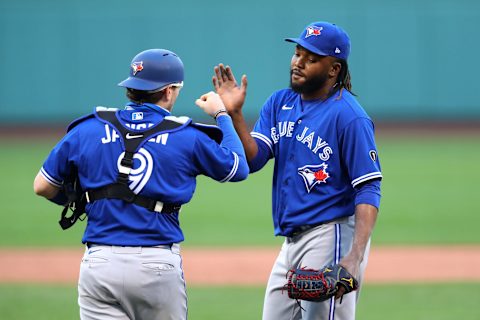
(137, 67)
(313, 31)
(313, 175)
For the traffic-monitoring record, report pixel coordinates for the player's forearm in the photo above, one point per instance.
(249, 144)
(365, 218)
(232, 142)
(50, 192)
(43, 188)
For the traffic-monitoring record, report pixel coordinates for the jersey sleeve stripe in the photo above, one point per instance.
(369, 176)
(263, 138)
(234, 169)
(49, 178)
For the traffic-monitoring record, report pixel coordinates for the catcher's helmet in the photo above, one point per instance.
(154, 69)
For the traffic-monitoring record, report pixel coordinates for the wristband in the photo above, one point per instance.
(218, 112)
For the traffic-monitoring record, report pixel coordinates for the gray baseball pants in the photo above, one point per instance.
(132, 283)
(323, 245)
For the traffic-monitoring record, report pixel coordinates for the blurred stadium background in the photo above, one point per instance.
(414, 68)
(410, 60)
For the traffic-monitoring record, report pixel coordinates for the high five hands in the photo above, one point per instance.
(225, 84)
(229, 95)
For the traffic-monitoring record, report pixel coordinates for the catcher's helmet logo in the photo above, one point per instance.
(137, 67)
(313, 175)
(141, 171)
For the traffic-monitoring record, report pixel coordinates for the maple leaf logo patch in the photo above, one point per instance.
(313, 175)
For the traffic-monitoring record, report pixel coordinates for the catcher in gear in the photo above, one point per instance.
(136, 168)
(319, 285)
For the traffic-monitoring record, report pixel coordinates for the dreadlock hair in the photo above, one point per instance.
(140, 96)
(344, 78)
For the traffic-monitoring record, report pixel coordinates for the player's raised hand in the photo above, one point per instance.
(227, 87)
(211, 103)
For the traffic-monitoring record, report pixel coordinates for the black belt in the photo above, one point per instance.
(301, 229)
(150, 204)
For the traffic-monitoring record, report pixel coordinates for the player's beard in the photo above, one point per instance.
(310, 85)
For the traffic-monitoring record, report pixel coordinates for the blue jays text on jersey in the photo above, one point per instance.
(307, 137)
(327, 148)
(165, 168)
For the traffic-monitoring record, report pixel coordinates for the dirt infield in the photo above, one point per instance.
(251, 266)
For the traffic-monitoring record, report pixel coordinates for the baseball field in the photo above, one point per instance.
(425, 250)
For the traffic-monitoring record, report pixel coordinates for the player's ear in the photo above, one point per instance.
(169, 93)
(335, 69)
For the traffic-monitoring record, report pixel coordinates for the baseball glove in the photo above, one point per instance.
(319, 285)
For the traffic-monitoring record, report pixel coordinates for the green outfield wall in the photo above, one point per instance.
(410, 60)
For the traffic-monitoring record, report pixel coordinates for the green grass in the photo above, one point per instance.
(430, 190)
(420, 302)
(40, 302)
(28, 220)
(393, 302)
(430, 196)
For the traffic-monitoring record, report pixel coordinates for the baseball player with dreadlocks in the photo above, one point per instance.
(326, 183)
(137, 167)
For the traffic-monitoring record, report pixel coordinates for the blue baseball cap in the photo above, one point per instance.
(325, 39)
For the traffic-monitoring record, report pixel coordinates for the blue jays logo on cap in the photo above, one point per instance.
(313, 175)
(325, 39)
(313, 31)
(137, 67)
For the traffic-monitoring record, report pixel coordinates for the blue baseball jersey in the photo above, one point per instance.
(322, 151)
(165, 168)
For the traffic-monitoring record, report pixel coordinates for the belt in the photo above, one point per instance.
(164, 246)
(301, 229)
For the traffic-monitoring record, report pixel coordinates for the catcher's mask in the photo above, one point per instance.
(154, 69)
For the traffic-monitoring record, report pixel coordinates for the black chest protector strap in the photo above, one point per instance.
(132, 140)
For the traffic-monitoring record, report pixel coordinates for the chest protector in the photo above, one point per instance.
(132, 141)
